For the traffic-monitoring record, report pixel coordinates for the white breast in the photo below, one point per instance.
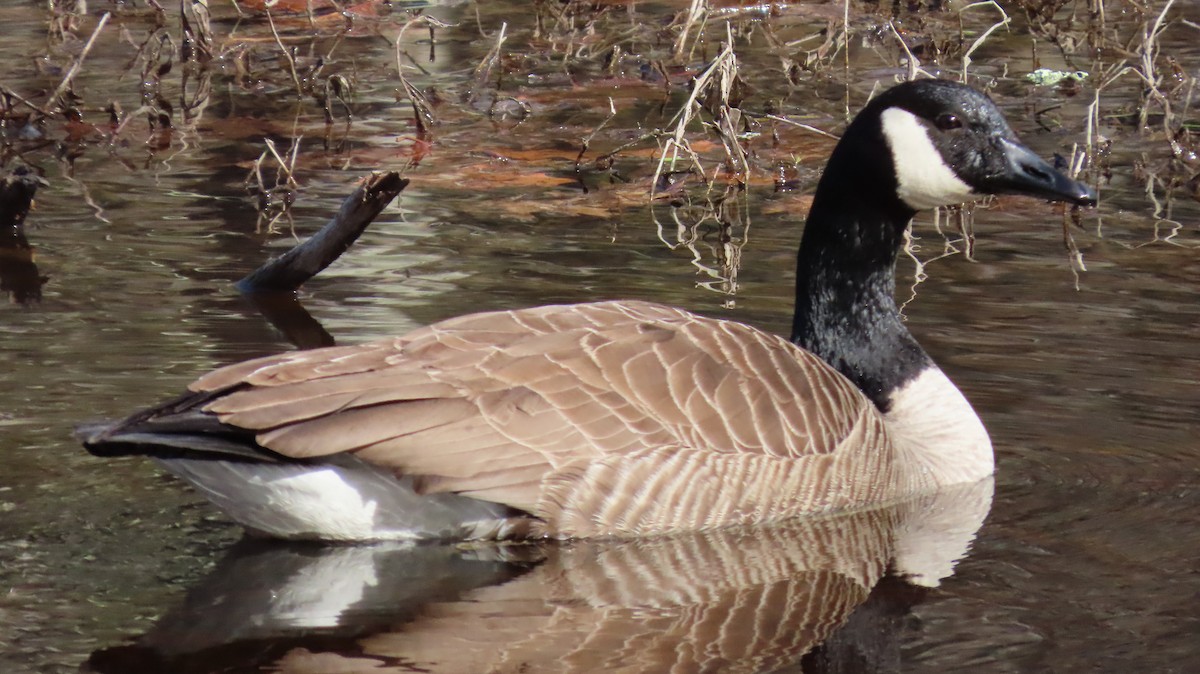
(937, 433)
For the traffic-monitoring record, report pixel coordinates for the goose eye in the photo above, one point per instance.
(947, 121)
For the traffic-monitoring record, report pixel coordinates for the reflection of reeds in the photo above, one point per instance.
(1165, 91)
(157, 54)
(275, 202)
(422, 109)
(287, 55)
(196, 51)
(489, 63)
(718, 225)
(197, 32)
(958, 220)
(78, 62)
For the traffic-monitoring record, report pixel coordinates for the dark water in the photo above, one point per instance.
(1087, 560)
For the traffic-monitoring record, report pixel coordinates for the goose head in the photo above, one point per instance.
(917, 146)
(949, 144)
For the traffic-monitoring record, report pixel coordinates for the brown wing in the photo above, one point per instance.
(578, 414)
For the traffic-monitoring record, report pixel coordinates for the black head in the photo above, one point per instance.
(949, 143)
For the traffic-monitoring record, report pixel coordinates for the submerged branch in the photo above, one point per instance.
(290, 270)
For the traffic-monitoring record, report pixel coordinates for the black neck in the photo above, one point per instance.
(846, 273)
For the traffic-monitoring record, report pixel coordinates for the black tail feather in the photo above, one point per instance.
(176, 429)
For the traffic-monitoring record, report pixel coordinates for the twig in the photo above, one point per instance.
(1073, 252)
(966, 59)
(287, 55)
(79, 60)
(422, 110)
(914, 64)
(806, 127)
(10, 93)
(696, 13)
(652, 135)
(587, 140)
(483, 72)
(700, 84)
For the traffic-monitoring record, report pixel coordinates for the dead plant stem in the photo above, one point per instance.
(725, 65)
(587, 140)
(806, 127)
(696, 14)
(20, 99)
(287, 55)
(1004, 21)
(66, 82)
(914, 64)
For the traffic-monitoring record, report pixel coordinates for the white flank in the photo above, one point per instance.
(347, 501)
(924, 180)
(935, 430)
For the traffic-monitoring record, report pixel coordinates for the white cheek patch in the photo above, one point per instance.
(923, 178)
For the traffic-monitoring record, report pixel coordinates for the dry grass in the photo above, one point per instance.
(712, 131)
(713, 90)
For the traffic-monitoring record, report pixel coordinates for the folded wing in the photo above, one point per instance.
(604, 418)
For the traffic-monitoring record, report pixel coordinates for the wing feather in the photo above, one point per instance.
(600, 418)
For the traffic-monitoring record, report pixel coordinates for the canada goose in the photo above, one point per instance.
(625, 418)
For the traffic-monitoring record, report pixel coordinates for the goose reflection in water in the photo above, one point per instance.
(19, 277)
(809, 595)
